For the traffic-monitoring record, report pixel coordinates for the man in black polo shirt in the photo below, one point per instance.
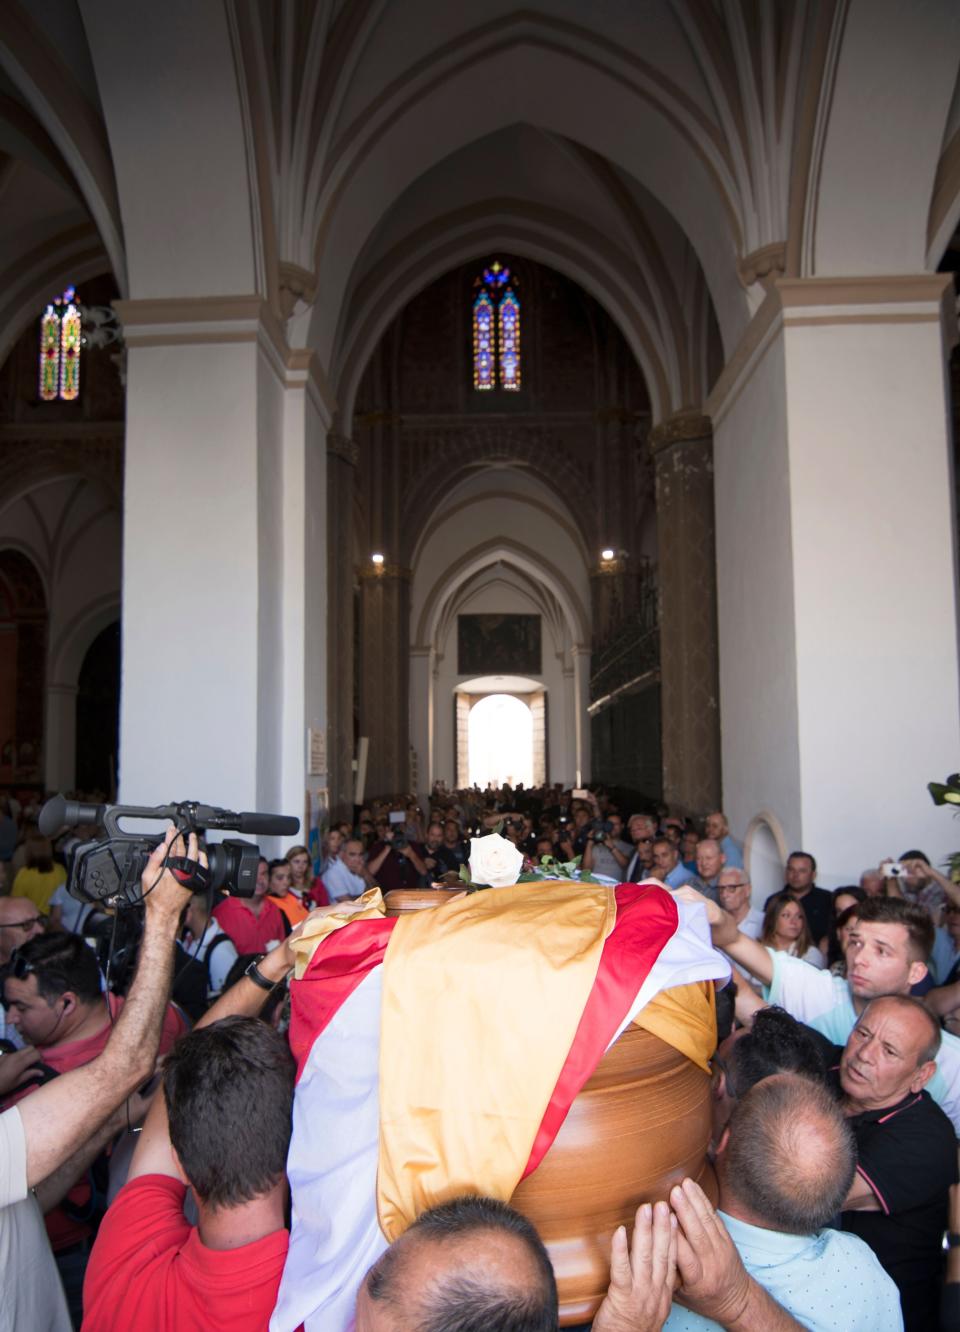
(906, 1150)
(817, 903)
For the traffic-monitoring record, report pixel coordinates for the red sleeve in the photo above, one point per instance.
(174, 1026)
(318, 893)
(145, 1221)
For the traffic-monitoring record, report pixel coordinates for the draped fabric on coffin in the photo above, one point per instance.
(645, 942)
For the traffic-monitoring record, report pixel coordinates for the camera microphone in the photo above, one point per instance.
(264, 825)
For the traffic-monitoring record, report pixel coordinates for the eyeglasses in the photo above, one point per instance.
(23, 924)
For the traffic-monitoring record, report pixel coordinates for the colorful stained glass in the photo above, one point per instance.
(496, 275)
(483, 348)
(508, 321)
(70, 335)
(49, 354)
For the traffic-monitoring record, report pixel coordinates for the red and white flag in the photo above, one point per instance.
(650, 942)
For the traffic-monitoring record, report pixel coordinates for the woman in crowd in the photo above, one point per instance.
(785, 929)
(41, 876)
(307, 886)
(331, 849)
(833, 944)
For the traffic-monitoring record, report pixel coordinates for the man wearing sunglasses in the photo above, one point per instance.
(49, 1137)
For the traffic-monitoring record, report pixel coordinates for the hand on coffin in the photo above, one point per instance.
(722, 925)
(713, 1279)
(641, 1279)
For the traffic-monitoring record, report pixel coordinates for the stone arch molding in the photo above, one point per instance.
(560, 475)
(528, 82)
(529, 562)
(616, 281)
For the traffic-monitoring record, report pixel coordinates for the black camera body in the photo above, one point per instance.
(109, 871)
(601, 829)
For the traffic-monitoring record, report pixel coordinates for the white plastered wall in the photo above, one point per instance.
(875, 589)
(836, 583)
(758, 700)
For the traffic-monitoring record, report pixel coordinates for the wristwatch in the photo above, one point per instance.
(254, 973)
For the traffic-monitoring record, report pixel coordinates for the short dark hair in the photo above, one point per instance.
(775, 1043)
(63, 962)
(929, 1052)
(896, 911)
(803, 855)
(467, 1302)
(229, 1091)
(279, 863)
(791, 1154)
(915, 855)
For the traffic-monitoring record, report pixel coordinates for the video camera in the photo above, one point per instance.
(109, 871)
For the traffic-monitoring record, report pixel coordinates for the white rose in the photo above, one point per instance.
(494, 861)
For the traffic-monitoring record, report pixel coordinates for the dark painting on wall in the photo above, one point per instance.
(498, 644)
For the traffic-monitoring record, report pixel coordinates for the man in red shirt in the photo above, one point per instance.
(220, 1126)
(53, 997)
(253, 923)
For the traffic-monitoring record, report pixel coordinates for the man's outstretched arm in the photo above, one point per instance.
(749, 954)
(59, 1117)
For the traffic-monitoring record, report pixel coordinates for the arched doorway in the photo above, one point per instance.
(23, 647)
(98, 714)
(500, 742)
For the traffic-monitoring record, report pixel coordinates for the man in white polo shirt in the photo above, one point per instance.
(347, 877)
(887, 949)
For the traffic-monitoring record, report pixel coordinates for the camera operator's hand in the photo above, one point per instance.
(388, 836)
(15, 1068)
(163, 896)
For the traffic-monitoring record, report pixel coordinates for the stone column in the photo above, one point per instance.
(421, 715)
(385, 676)
(342, 454)
(581, 718)
(215, 554)
(60, 737)
(682, 449)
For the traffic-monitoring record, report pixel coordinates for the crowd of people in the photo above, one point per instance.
(138, 1193)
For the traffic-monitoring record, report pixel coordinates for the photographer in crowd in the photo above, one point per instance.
(393, 861)
(51, 1130)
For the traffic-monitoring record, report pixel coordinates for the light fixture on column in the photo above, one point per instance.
(377, 559)
(608, 553)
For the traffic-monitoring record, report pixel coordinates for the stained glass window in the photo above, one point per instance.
(61, 337)
(483, 339)
(49, 354)
(509, 339)
(496, 329)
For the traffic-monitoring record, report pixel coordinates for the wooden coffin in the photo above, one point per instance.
(640, 1124)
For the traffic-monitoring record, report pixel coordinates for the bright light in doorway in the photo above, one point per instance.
(377, 558)
(607, 553)
(500, 739)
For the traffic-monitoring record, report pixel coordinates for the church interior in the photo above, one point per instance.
(377, 374)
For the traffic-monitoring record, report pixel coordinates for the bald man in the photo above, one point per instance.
(475, 1255)
(906, 1149)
